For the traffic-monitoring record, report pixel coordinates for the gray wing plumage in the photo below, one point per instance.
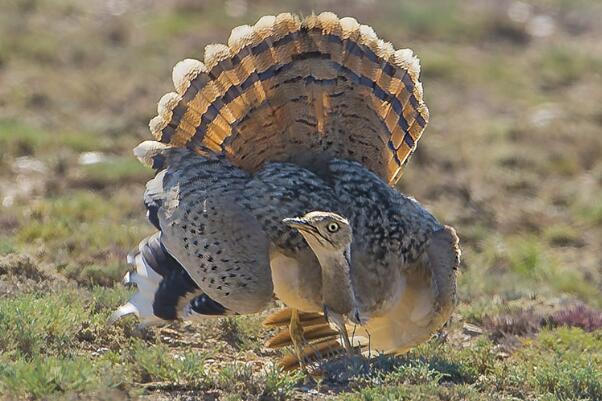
(281, 190)
(222, 226)
(393, 229)
(217, 241)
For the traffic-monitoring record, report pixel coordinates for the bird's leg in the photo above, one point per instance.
(339, 321)
(369, 344)
(296, 331)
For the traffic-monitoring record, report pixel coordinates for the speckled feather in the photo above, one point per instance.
(191, 190)
(390, 232)
(389, 223)
(281, 190)
(218, 242)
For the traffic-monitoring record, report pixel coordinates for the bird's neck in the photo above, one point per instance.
(337, 291)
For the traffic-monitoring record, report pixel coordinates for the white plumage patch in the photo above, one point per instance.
(147, 283)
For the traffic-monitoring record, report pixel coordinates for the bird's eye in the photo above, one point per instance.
(333, 227)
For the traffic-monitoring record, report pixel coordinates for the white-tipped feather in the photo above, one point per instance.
(240, 37)
(406, 59)
(385, 49)
(287, 22)
(156, 125)
(167, 103)
(215, 53)
(184, 72)
(329, 22)
(350, 27)
(146, 274)
(146, 151)
(147, 283)
(122, 311)
(418, 93)
(368, 36)
(141, 305)
(264, 25)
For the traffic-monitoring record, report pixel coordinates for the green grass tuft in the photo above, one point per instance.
(157, 364)
(114, 171)
(35, 325)
(560, 66)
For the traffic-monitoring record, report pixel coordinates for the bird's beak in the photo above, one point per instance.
(297, 222)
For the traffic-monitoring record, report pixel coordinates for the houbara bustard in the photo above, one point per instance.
(427, 288)
(292, 117)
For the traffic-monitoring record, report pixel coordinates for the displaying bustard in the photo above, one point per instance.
(292, 116)
(426, 289)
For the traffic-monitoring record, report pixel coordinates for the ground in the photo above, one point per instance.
(512, 158)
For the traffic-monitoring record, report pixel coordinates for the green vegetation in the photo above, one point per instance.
(59, 343)
(512, 158)
(21, 140)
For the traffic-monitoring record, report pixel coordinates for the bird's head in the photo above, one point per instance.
(323, 231)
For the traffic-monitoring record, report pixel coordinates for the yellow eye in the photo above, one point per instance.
(333, 227)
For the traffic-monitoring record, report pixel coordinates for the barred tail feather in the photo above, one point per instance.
(303, 91)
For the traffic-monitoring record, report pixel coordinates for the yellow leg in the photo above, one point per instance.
(296, 331)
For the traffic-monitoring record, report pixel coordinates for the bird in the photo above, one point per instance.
(329, 236)
(292, 116)
(427, 292)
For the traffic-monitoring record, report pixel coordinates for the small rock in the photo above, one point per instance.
(519, 12)
(541, 26)
(26, 164)
(88, 158)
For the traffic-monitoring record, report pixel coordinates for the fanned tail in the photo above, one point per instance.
(303, 91)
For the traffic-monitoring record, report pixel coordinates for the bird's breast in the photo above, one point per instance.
(298, 286)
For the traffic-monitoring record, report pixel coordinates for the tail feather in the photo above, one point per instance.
(302, 91)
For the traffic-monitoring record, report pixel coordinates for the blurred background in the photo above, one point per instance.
(512, 156)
